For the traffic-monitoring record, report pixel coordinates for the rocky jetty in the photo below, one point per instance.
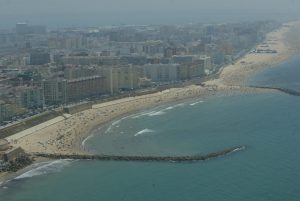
(283, 90)
(144, 158)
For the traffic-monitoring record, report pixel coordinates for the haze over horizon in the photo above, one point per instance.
(57, 13)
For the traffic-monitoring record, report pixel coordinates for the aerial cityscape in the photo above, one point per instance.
(43, 69)
(149, 100)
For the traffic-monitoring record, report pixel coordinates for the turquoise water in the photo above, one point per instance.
(284, 75)
(269, 169)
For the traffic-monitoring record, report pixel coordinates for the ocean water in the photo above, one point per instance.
(269, 169)
(284, 75)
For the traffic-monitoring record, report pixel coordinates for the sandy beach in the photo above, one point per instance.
(283, 40)
(66, 134)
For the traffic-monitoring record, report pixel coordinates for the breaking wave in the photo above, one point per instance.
(45, 168)
(115, 123)
(142, 114)
(175, 106)
(239, 149)
(195, 103)
(144, 132)
(157, 113)
(85, 140)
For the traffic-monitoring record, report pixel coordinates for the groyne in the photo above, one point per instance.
(281, 89)
(193, 158)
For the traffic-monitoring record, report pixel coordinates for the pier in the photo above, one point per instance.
(144, 158)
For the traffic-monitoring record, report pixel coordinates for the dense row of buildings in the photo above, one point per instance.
(40, 68)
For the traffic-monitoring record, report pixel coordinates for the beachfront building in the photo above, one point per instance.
(55, 91)
(189, 71)
(204, 61)
(30, 96)
(120, 78)
(61, 91)
(8, 111)
(78, 89)
(161, 72)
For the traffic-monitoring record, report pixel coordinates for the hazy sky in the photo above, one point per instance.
(105, 12)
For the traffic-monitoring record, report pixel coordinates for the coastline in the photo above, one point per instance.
(284, 40)
(66, 136)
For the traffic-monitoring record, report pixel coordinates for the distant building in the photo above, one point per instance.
(134, 60)
(39, 57)
(78, 72)
(22, 28)
(90, 60)
(181, 59)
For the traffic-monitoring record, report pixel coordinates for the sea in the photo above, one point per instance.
(268, 124)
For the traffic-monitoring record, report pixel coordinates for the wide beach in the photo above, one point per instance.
(65, 134)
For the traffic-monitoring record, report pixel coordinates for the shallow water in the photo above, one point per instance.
(269, 169)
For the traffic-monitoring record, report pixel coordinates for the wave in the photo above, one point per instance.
(175, 106)
(195, 103)
(45, 168)
(108, 129)
(239, 149)
(144, 132)
(85, 140)
(157, 113)
(116, 123)
(142, 114)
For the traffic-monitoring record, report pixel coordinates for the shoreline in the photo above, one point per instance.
(66, 136)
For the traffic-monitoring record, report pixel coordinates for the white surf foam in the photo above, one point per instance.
(239, 149)
(45, 168)
(195, 103)
(156, 113)
(108, 129)
(175, 106)
(142, 114)
(116, 124)
(142, 132)
(85, 140)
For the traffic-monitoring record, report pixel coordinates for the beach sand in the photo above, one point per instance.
(284, 40)
(66, 136)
